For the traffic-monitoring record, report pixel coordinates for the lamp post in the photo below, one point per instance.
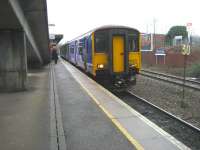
(154, 34)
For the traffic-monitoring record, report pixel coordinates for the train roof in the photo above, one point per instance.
(102, 28)
(113, 27)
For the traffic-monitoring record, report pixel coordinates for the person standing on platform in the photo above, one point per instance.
(54, 54)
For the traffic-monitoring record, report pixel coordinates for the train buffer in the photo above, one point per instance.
(65, 109)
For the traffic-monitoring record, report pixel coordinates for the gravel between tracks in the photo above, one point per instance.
(169, 97)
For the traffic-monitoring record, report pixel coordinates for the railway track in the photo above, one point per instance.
(171, 79)
(180, 129)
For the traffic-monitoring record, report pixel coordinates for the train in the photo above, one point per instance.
(111, 53)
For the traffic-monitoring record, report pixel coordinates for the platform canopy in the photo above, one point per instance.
(31, 17)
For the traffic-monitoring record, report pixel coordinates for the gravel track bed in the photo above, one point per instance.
(169, 97)
(180, 131)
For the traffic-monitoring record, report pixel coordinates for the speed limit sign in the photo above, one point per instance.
(185, 49)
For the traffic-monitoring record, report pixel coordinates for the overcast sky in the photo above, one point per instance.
(75, 17)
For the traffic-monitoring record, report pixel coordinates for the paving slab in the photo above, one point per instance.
(86, 127)
(24, 116)
(135, 127)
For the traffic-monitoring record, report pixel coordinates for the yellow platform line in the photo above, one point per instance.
(133, 141)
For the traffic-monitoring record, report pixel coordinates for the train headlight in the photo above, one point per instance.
(132, 66)
(100, 66)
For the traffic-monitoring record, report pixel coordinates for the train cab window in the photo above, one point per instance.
(133, 43)
(101, 41)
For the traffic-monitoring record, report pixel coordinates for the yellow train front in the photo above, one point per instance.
(110, 53)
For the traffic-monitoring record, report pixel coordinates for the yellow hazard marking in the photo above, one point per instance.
(133, 141)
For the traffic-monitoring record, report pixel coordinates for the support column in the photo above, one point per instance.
(13, 61)
(32, 60)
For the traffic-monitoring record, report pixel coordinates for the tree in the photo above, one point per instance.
(176, 31)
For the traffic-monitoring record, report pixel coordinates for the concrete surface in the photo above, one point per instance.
(57, 133)
(24, 37)
(31, 17)
(13, 61)
(24, 116)
(146, 134)
(61, 113)
(86, 127)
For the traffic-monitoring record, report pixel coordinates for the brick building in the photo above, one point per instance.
(151, 41)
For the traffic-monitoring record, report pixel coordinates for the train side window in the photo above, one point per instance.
(80, 50)
(133, 43)
(71, 50)
(86, 45)
(101, 42)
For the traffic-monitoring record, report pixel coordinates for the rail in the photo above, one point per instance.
(171, 79)
(177, 127)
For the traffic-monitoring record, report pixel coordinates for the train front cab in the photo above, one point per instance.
(116, 55)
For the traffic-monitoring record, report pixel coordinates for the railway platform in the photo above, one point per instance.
(65, 109)
(93, 118)
(24, 116)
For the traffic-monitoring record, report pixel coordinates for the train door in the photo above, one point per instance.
(76, 52)
(85, 53)
(89, 54)
(118, 53)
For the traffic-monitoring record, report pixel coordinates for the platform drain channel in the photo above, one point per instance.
(57, 132)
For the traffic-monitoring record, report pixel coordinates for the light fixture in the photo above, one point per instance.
(100, 66)
(131, 65)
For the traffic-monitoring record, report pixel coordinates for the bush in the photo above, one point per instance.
(194, 70)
